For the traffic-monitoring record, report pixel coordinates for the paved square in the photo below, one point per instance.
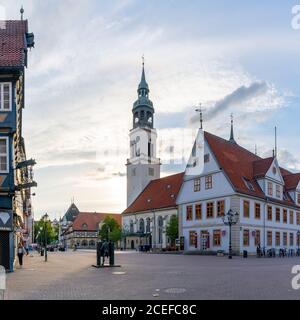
(69, 275)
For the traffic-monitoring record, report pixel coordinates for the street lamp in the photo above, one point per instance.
(45, 219)
(230, 219)
(298, 241)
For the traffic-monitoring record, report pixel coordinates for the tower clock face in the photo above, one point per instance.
(150, 120)
(136, 120)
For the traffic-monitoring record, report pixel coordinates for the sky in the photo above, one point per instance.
(239, 57)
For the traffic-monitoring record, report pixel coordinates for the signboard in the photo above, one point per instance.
(6, 220)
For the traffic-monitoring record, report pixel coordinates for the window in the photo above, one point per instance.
(278, 191)
(193, 238)
(4, 155)
(277, 239)
(277, 214)
(298, 218)
(257, 237)
(209, 210)
(270, 188)
(248, 184)
(257, 211)
(285, 238)
(291, 239)
(206, 158)
(220, 208)
(270, 213)
(298, 198)
(198, 211)
(84, 226)
(291, 217)
(217, 238)
(189, 213)
(208, 182)
(5, 96)
(269, 238)
(246, 238)
(246, 209)
(284, 216)
(197, 184)
(151, 172)
(142, 226)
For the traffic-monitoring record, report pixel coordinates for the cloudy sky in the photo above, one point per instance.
(233, 56)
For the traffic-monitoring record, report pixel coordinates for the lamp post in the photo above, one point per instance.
(298, 241)
(230, 219)
(45, 219)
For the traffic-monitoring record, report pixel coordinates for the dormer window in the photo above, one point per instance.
(274, 170)
(84, 226)
(270, 189)
(248, 184)
(5, 96)
(278, 191)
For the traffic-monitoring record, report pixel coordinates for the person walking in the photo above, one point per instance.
(20, 252)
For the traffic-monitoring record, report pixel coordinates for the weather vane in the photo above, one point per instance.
(143, 60)
(200, 110)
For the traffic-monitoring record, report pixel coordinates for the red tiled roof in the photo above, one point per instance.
(291, 181)
(159, 193)
(92, 220)
(260, 167)
(12, 43)
(241, 165)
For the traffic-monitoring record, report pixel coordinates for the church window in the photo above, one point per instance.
(142, 226)
(131, 227)
(151, 172)
(142, 114)
(148, 225)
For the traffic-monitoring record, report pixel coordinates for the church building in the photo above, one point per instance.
(151, 200)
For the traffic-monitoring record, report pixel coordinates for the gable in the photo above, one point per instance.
(274, 172)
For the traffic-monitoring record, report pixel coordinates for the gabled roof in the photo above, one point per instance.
(13, 44)
(71, 213)
(242, 167)
(159, 194)
(292, 181)
(89, 221)
(261, 167)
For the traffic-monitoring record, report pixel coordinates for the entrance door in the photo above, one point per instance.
(132, 244)
(4, 249)
(205, 240)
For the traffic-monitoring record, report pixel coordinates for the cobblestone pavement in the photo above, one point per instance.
(70, 275)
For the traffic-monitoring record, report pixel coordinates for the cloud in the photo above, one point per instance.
(238, 98)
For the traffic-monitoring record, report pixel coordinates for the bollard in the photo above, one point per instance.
(111, 253)
(2, 282)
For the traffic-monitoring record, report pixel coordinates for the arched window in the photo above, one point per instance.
(160, 224)
(92, 243)
(142, 226)
(84, 243)
(148, 224)
(142, 114)
(131, 227)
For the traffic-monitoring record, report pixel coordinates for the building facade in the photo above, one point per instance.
(16, 174)
(265, 196)
(83, 232)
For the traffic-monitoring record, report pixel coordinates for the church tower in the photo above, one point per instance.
(143, 166)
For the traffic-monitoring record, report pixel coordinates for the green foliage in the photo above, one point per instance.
(172, 229)
(110, 230)
(44, 230)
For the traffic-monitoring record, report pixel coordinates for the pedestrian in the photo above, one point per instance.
(258, 251)
(20, 252)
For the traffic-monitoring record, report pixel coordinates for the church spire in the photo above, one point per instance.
(143, 89)
(231, 139)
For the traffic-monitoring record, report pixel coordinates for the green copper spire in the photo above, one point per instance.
(143, 107)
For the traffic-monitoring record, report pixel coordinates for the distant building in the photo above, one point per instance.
(66, 221)
(83, 231)
(16, 174)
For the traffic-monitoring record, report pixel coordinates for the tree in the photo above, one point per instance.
(172, 229)
(110, 230)
(39, 232)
